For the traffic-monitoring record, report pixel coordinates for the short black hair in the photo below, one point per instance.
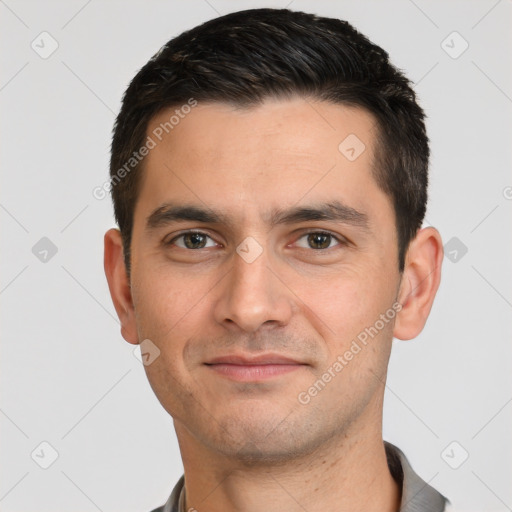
(245, 57)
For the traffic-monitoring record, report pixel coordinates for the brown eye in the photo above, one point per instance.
(318, 240)
(191, 240)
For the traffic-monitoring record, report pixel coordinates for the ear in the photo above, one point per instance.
(419, 284)
(119, 285)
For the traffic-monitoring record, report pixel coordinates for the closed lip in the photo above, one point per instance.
(248, 360)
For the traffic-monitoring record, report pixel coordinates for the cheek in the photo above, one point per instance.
(167, 308)
(171, 308)
(348, 307)
(341, 300)
(164, 300)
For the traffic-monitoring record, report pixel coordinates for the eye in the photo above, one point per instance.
(191, 240)
(316, 240)
(319, 240)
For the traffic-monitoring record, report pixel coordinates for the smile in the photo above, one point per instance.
(253, 372)
(251, 368)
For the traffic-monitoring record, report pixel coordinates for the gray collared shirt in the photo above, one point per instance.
(417, 495)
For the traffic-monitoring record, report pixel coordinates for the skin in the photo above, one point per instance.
(252, 445)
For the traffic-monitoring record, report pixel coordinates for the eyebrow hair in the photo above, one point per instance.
(331, 211)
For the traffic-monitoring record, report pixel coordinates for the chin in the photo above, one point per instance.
(263, 441)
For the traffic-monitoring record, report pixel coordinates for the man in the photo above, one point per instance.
(269, 179)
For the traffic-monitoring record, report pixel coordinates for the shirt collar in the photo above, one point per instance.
(417, 495)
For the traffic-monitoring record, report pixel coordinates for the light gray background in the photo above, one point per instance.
(67, 375)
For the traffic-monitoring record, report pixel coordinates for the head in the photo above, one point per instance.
(298, 155)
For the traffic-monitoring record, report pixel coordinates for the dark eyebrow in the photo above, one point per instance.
(332, 211)
(169, 212)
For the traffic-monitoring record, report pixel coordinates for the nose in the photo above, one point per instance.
(253, 295)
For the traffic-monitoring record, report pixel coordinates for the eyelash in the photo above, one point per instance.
(341, 241)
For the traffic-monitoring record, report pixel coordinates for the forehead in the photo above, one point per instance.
(302, 128)
(278, 152)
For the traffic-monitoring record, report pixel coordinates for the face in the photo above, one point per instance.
(250, 293)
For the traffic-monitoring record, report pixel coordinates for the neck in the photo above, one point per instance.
(348, 474)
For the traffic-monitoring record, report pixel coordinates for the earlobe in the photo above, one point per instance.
(420, 282)
(119, 285)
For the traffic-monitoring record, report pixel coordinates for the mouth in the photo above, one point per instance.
(248, 368)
